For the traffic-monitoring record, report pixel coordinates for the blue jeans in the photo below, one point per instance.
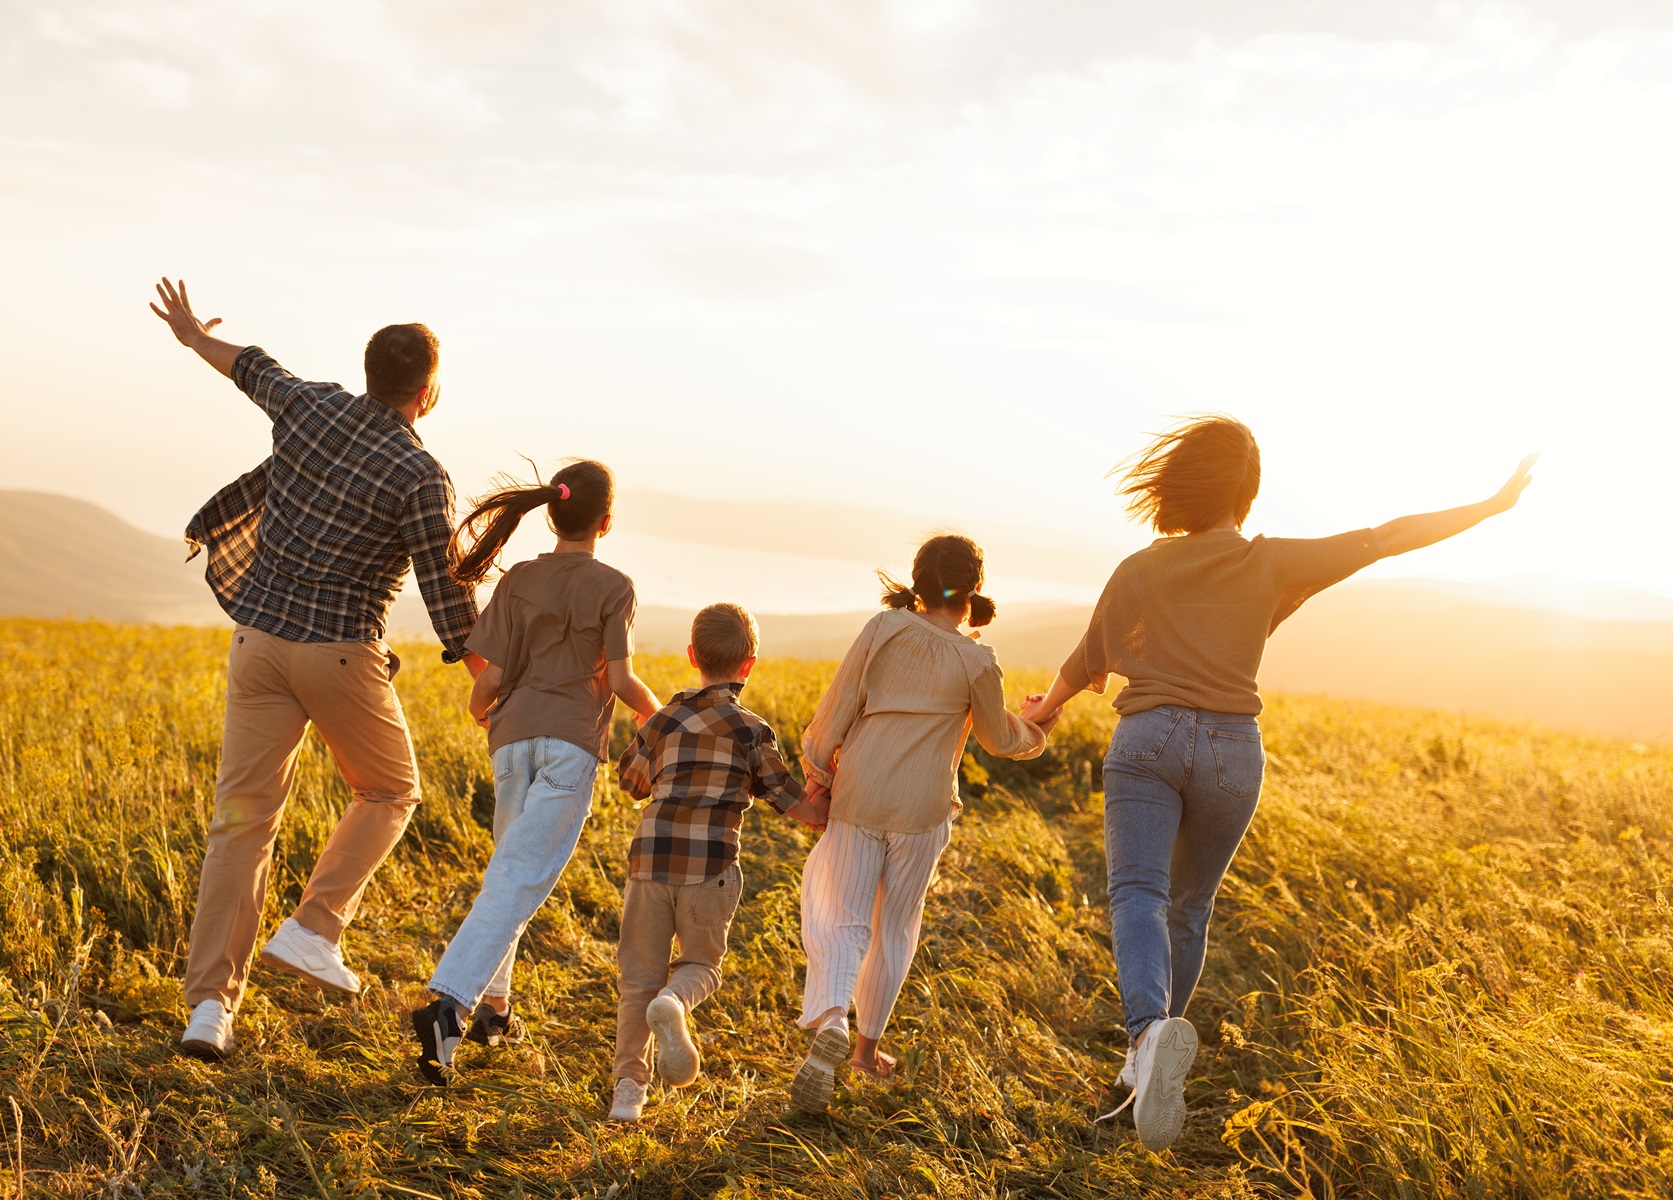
(1180, 788)
(543, 794)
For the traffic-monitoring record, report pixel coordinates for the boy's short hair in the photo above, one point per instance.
(722, 637)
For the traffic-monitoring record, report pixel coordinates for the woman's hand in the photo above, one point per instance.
(1506, 497)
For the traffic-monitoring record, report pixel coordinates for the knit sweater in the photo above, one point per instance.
(907, 695)
(1185, 620)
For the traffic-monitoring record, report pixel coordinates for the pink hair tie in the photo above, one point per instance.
(563, 491)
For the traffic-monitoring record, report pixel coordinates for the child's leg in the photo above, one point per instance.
(897, 914)
(647, 935)
(839, 890)
(556, 782)
(702, 918)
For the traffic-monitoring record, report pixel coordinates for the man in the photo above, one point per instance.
(306, 554)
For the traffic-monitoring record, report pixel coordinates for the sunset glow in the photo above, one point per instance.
(946, 259)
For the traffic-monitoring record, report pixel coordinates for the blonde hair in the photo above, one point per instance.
(723, 636)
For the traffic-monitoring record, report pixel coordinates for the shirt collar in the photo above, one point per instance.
(714, 693)
(382, 412)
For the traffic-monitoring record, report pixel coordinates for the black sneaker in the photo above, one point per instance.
(489, 1028)
(437, 1027)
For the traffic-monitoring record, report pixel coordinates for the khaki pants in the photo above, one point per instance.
(653, 914)
(274, 689)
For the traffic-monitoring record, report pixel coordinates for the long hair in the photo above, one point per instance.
(578, 497)
(946, 571)
(1194, 477)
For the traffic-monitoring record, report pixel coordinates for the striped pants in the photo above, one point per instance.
(862, 906)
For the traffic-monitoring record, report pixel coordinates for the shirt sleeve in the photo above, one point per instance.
(998, 730)
(636, 771)
(1088, 667)
(426, 528)
(273, 388)
(490, 637)
(618, 626)
(1303, 567)
(838, 709)
(770, 778)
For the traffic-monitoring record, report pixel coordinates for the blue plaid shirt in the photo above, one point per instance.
(313, 544)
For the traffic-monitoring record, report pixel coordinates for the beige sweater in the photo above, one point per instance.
(907, 695)
(1186, 619)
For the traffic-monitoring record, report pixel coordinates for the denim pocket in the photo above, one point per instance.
(1239, 761)
(1144, 735)
(571, 772)
(505, 761)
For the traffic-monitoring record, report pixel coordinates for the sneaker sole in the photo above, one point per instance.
(274, 962)
(1159, 1114)
(205, 1049)
(815, 1082)
(677, 1060)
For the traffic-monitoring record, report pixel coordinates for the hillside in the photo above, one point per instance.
(1438, 645)
(1438, 969)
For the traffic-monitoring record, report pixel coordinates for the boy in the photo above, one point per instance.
(701, 758)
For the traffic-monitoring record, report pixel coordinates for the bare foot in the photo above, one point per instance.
(880, 1066)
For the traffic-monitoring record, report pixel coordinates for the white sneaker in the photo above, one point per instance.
(208, 1032)
(1165, 1052)
(677, 1060)
(305, 954)
(628, 1104)
(815, 1079)
(1129, 1073)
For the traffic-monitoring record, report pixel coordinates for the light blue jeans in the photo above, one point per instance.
(1180, 788)
(543, 794)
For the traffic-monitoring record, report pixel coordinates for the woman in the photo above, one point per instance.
(1184, 621)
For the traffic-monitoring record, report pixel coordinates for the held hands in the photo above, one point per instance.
(177, 312)
(815, 810)
(1506, 497)
(1033, 709)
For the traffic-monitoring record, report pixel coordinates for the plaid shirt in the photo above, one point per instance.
(313, 544)
(702, 756)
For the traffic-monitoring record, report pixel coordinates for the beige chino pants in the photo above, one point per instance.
(653, 914)
(275, 688)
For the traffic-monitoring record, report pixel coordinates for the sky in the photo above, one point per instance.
(946, 258)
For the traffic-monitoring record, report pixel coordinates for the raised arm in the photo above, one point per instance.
(191, 332)
(1425, 529)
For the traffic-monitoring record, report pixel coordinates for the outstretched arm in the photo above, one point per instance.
(191, 332)
(1425, 529)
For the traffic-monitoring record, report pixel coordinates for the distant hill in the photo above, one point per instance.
(1408, 642)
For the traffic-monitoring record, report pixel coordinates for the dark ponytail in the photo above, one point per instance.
(577, 500)
(946, 572)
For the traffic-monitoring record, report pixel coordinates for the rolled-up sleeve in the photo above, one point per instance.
(426, 528)
(998, 730)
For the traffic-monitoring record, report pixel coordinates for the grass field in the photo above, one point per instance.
(1442, 966)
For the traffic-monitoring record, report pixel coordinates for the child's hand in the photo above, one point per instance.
(814, 816)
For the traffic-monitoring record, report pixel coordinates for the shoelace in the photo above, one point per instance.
(1131, 1096)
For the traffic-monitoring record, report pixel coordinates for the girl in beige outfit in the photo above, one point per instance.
(908, 694)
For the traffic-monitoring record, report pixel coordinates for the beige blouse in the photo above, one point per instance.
(888, 734)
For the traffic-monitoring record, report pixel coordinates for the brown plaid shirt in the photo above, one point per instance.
(701, 756)
(313, 544)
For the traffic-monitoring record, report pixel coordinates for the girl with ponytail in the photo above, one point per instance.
(908, 694)
(558, 638)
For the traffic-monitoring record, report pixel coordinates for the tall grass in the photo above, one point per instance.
(1442, 967)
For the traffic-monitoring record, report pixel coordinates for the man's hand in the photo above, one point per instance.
(177, 311)
(191, 332)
